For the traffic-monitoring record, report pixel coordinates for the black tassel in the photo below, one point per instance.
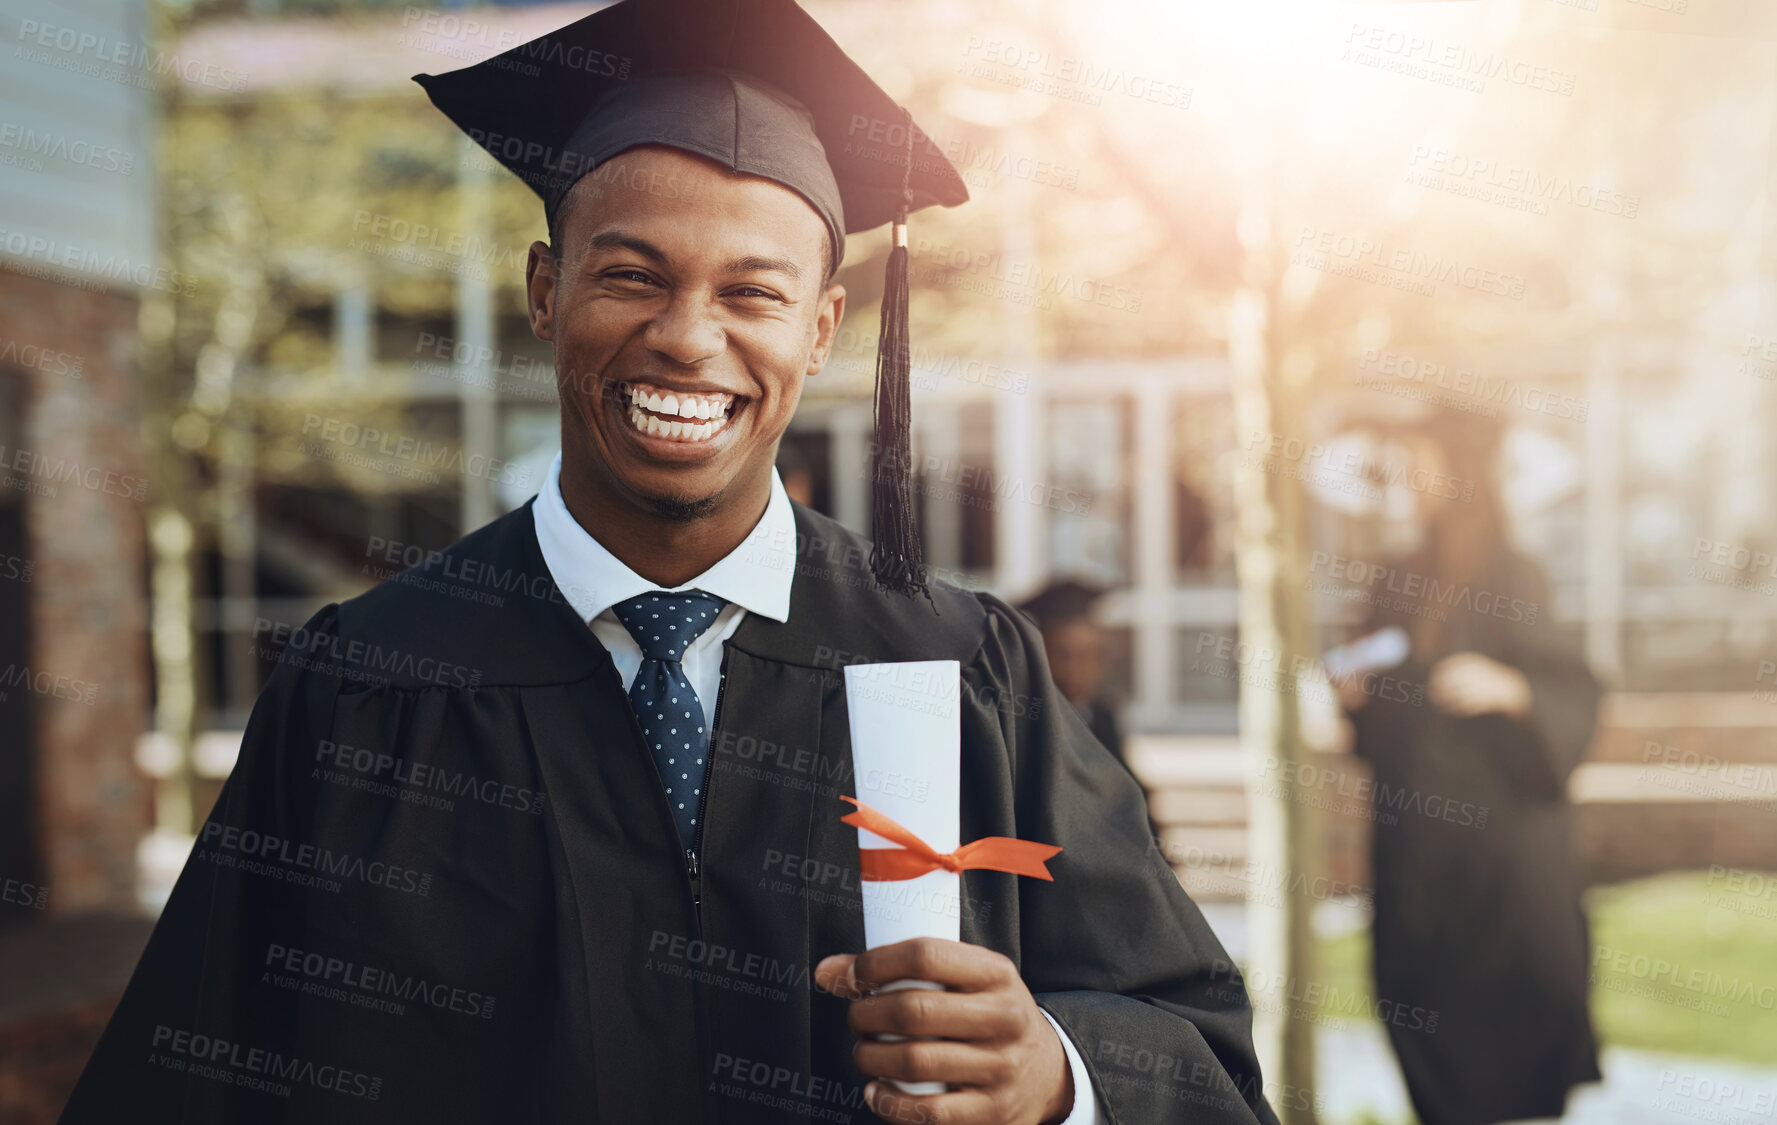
(896, 559)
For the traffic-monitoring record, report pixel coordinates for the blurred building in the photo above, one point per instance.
(78, 265)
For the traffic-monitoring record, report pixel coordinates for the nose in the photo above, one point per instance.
(685, 331)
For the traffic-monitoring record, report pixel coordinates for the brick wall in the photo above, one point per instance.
(77, 464)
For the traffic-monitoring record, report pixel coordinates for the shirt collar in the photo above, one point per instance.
(756, 575)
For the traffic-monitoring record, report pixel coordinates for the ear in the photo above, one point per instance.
(826, 327)
(539, 284)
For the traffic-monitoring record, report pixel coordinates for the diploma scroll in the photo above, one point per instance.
(906, 752)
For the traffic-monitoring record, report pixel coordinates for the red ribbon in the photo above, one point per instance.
(915, 857)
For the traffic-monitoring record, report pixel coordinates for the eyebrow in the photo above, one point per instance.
(753, 263)
(617, 240)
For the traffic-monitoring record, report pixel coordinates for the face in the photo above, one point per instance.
(1076, 658)
(689, 307)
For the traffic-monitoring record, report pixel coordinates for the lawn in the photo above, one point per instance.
(1683, 963)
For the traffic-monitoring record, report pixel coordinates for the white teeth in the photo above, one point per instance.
(715, 410)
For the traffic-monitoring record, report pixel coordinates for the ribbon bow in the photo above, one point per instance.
(915, 857)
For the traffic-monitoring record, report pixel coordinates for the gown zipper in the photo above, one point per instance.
(709, 773)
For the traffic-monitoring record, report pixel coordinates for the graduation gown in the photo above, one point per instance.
(1481, 949)
(442, 883)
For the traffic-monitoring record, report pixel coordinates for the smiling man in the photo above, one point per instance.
(548, 828)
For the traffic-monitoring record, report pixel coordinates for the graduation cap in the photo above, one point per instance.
(755, 85)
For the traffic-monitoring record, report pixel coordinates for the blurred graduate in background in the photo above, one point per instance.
(1481, 948)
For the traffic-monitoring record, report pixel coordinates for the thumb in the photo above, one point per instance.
(834, 974)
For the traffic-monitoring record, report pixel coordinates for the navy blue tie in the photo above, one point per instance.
(664, 625)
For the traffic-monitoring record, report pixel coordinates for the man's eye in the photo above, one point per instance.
(636, 276)
(755, 291)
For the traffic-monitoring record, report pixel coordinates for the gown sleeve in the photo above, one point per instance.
(183, 1045)
(1114, 949)
(1534, 756)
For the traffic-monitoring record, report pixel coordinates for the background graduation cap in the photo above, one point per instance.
(758, 86)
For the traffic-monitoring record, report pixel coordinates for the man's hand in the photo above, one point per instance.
(1002, 1058)
(1467, 684)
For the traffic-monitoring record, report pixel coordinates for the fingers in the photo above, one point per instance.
(934, 1060)
(953, 964)
(949, 1015)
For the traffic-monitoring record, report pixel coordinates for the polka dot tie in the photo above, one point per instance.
(664, 625)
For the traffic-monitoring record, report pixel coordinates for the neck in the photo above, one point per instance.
(666, 551)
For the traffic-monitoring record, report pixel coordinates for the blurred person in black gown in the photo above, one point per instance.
(1075, 642)
(1063, 613)
(1481, 949)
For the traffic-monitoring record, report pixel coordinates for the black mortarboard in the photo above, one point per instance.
(752, 84)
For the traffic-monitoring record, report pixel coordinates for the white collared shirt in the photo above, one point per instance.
(755, 577)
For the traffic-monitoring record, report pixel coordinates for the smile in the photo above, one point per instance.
(676, 415)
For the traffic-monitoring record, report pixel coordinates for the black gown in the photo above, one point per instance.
(1481, 949)
(443, 885)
